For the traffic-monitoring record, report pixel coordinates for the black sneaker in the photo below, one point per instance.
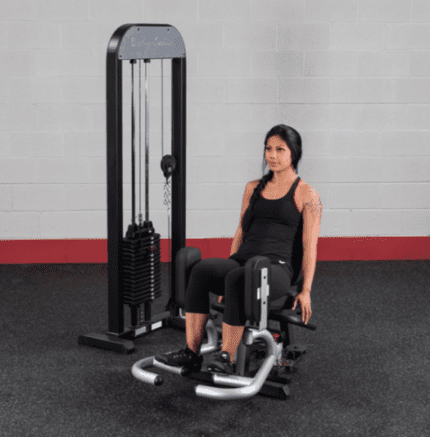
(222, 364)
(184, 357)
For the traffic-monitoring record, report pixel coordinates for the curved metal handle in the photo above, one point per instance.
(143, 375)
(139, 372)
(246, 387)
(249, 389)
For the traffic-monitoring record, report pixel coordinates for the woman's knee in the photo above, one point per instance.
(212, 270)
(235, 276)
(234, 311)
(201, 270)
(208, 266)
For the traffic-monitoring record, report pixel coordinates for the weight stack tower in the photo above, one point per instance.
(137, 255)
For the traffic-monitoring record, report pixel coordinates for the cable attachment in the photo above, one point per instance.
(167, 195)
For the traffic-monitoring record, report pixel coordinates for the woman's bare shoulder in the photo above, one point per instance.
(309, 196)
(305, 187)
(251, 185)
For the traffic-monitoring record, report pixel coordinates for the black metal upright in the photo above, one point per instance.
(128, 42)
(179, 105)
(114, 183)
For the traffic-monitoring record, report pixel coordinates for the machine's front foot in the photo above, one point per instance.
(245, 387)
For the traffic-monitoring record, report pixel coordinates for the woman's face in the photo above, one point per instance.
(278, 154)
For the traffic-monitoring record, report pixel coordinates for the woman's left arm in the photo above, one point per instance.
(312, 213)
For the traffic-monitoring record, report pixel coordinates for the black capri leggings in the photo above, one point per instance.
(227, 277)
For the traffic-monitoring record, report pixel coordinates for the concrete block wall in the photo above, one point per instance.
(351, 76)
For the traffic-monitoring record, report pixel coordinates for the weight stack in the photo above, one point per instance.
(141, 264)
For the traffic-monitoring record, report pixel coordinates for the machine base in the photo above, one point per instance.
(106, 341)
(124, 344)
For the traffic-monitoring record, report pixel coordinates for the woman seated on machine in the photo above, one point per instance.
(271, 211)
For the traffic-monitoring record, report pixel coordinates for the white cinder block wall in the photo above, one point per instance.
(351, 76)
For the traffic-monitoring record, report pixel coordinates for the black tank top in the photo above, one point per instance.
(273, 227)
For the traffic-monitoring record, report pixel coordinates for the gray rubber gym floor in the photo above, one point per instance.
(366, 372)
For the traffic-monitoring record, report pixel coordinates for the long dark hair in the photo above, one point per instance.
(294, 143)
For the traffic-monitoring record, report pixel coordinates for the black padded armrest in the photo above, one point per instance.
(290, 316)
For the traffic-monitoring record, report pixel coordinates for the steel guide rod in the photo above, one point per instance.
(147, 61)
(140, 143)
(133, 184)
(133, 123)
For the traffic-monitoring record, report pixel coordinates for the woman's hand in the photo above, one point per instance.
(304, 298)
(220, 298)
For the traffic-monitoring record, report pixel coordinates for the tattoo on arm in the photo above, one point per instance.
(314, 206)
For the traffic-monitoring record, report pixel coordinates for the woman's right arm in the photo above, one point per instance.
(237, 240)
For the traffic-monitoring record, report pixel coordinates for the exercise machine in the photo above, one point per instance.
(267, 355)
(134, 260)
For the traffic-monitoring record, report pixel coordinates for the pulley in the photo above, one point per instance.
(168, 165)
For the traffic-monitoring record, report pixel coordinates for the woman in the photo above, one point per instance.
(271, 212)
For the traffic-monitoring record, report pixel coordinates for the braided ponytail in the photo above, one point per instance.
(247, 217)
(294, 142)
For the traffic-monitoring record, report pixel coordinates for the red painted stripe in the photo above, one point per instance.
(329, 249)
